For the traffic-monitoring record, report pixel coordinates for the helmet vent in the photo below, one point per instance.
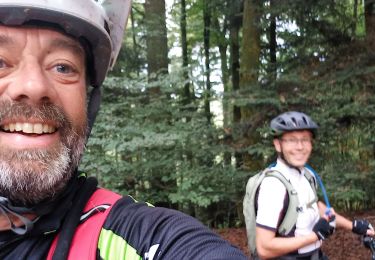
(294, 121)
(305, 121)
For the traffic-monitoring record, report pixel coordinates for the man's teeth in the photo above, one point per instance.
(29, 128)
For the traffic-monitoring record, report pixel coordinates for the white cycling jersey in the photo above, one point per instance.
(272, 198)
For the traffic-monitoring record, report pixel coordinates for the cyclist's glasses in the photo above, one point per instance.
(296, 141)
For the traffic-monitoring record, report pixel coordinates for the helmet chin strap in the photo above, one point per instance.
(63, 200)
(93, 107)
(7, 211)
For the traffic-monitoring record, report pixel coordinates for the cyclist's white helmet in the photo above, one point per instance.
(100, 22)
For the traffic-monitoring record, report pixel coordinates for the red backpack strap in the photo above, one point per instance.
(85, 241)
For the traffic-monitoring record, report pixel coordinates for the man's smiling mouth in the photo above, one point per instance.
(28, 128)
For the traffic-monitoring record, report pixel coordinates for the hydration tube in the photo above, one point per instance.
(326, 200)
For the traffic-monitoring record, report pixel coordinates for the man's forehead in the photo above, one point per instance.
(54, 37)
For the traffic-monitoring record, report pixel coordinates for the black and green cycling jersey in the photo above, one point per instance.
(138, 231)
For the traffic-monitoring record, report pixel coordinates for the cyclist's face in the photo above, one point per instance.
(295, 146)
(42, 110)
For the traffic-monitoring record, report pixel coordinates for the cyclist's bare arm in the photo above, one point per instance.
(270, 246)
(341, 221)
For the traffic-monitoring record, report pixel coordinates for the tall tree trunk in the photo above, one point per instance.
(186, 154)
(135, 49)
(272, 43)
(234, 27)
(221, 31)
(220, 35)
(157, 66)
(206, 43)
(156, 39)
(355, 17)
(250, 61)
(185, 57)
(370, 23)
(370, 30)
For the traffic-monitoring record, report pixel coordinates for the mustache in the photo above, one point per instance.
(44, 112)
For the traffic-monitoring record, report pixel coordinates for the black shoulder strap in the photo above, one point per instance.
(72, 220)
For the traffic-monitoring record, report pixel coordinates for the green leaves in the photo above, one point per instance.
(158, 149)
(159, 146)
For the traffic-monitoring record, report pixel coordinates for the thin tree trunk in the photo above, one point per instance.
(185, 57)
(134, 38)
(206, 42)
(186, 154)
(272, 43)
(355, 16)
(234, 25)
(223, 46)
(370, 23)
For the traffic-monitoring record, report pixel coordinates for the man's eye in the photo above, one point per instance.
(3, 64)
(63, 68)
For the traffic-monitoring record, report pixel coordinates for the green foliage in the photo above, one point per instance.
(160, 148)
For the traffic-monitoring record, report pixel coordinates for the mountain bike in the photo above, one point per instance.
(369, 242)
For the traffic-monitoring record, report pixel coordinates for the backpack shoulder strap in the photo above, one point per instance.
(291, 214)
(311, 178)
(314, 185)
(249, 208)
(85, 240)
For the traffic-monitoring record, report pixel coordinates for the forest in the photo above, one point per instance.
(185, 114)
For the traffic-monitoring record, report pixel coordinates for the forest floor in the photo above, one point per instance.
(342, 245)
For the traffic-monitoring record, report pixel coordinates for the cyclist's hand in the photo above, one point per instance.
(362, 227)
(370, 232)
(322, 229)
(330, 216)
(332, 223)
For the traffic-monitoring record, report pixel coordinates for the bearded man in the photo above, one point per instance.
(51, 52)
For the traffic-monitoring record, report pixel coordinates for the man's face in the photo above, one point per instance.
(296, 147)
(42, 112)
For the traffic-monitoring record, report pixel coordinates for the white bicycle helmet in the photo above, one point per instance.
(100, 22)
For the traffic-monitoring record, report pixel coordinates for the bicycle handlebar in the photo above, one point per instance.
(369, 242)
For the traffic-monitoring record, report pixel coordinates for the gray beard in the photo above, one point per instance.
(30, 176)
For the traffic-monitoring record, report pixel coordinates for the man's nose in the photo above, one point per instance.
(300, 144)
(31, 84)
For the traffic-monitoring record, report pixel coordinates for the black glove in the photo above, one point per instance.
(322, 229)
(360, 226)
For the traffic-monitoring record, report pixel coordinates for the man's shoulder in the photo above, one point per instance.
(271, 189)
(281, 168)
(102, 196)
(274, 175)
(129, 209)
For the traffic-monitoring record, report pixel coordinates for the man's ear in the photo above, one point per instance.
(277, 144)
